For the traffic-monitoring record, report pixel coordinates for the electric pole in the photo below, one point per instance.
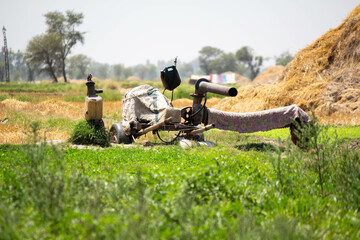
(7, 72)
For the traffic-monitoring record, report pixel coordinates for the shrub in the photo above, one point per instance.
(89, 133)
(322, 165)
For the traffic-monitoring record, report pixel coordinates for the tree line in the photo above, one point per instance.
(47, 55)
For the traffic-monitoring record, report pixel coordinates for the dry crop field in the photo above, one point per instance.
(59, 106)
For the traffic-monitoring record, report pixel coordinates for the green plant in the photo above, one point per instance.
(166, 192)
(4, 96)
(90, 133)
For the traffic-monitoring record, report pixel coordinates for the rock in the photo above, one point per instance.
(146, 143)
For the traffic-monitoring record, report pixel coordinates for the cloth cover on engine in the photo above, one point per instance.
(256, 121)
(143, 104)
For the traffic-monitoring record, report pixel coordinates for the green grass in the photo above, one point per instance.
(281, 133)
(4, 96)
(39, 87)
(26, 118)
(58, 124)
(24, 91)
(171, 193)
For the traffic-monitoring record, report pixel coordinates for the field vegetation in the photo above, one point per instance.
(59, 106)
(250, 186)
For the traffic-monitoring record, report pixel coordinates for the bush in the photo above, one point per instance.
(323, 165)
(89, 133)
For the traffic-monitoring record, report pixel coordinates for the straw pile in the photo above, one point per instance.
(270, 75)
(324, 76)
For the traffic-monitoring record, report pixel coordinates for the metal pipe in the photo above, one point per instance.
(203, 129)
(154, 127)
(203, 86)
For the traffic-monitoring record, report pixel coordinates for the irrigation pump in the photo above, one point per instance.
(145, 110)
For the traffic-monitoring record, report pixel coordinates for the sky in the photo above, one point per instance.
(133, 32)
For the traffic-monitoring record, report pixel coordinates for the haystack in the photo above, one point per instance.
(239, 79)
(324, 76)
(270, 75)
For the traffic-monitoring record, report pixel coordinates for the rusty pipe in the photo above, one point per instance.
(203, 86)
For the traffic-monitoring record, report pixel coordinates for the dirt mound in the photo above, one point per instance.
(324, 76)
(270, 75)
(241, 80)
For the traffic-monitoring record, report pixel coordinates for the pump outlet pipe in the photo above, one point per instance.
(203, 86)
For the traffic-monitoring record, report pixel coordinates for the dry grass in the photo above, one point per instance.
(270, 75)
(324, 76)
(51, 107)
(17, 134)
(15, 117)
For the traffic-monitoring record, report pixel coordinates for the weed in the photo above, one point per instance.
(323, 164)
(4, 96)
(89, 133)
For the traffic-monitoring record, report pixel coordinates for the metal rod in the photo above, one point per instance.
(154, 127)
(203, 129)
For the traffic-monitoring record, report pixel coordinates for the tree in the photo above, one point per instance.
(78, 66)
(207, 55)
(284, 58)
(17, 64)
(99, 70)
(118, 70)
(127, 72)
(225, 62)
(185, 70)
(152, 72)
(140, 71)
(245, 56)
(43, 51)
(2, 71)
(30, 72)
(65, 26)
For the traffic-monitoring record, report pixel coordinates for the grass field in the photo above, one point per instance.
(250, 186)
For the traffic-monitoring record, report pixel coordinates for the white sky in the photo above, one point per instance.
(133, 31)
